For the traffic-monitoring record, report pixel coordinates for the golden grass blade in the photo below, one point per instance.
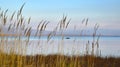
(86, 22)
(25, 31)
(46, 25)
(9, 27)
(42, 27)
(5, 12)
(38, 27)
(68, 23)
(28, 32)
(49, 36)
(29, 20)
(4, 20)
(1, 15)
(18, 24)
(12, 16)
(83, 20)
(20, 11)
(39, 24)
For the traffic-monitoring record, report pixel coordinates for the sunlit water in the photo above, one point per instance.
(108, 46)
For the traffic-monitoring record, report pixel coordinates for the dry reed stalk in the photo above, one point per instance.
(94, 35)
(29, 20)
(12, 16)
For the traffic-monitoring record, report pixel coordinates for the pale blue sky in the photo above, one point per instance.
(104, 12)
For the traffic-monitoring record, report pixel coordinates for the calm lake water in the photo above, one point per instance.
(108, 46)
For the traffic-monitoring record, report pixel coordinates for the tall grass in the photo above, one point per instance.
(21, 27)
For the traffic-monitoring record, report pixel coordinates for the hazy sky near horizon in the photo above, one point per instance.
(104, 12)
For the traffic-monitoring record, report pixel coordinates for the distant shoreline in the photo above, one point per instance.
(14, 35)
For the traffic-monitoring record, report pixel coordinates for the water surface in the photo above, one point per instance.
(108, 46)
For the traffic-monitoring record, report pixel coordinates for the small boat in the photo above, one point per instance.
(67, 38)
